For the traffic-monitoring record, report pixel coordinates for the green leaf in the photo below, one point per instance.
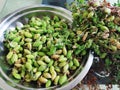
(80, 1)
(118, 29)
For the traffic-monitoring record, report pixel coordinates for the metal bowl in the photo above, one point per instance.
(22, 16)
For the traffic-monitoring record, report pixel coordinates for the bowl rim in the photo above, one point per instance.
(34, 6)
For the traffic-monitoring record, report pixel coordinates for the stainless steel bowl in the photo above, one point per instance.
(22, 16)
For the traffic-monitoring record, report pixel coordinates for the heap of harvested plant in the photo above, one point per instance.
(97, 26)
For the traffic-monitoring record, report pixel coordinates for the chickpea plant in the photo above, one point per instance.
(97, 25)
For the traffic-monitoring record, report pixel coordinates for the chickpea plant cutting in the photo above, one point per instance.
(97, 27)
(41, 52)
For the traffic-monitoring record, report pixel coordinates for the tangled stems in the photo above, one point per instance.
(97, 25)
